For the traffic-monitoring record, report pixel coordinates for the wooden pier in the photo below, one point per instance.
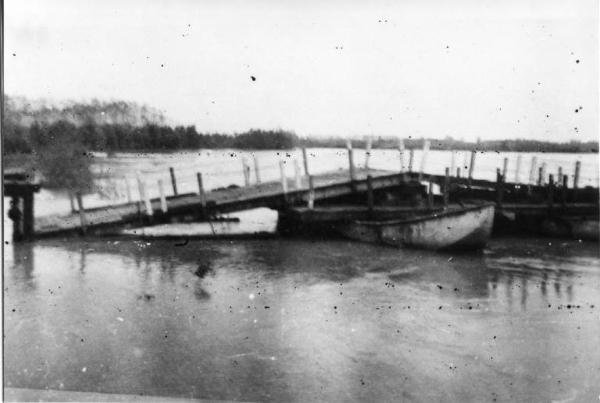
(352, 190)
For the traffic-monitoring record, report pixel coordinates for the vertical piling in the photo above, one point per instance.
(82, 218)
(311, 192)
(458, 172)
(350, 160)
(411, 158)
(305, 161)
(163, 199)
(28, 215)
(532, 169)
(284, 184)
(576, 177)
(518, 169)
(144, 196)
(540, 176)
(173, 181)
(563, 190)
(550, 193)
(368, 151)
(472, 166)
(426, 145)
(543, 173)
(256, 169)
(430, 194)
(559, 177)
(401, 154)
(447, 188)
(297, 173)
(505, 167)
(499, 188)
(201, 190)
(370, 197)
(246, 172)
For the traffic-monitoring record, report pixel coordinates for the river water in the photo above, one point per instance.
(297, 319)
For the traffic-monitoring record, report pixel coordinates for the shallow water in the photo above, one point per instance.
(295, 320)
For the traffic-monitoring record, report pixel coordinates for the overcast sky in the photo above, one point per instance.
(466, 68)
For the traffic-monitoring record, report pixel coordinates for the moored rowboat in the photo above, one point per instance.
(463, 228)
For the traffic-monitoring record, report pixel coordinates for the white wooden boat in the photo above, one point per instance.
(463, 228)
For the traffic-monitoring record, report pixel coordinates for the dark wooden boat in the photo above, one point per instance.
(463, 228)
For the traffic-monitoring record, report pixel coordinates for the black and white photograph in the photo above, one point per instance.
(300, 201)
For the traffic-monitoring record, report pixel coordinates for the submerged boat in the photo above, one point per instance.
(457, 228)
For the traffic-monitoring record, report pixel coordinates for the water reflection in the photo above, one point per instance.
(292, 319)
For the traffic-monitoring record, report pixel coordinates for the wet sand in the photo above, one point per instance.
(295, 320)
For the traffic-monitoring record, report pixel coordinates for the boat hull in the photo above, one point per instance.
(461, 229)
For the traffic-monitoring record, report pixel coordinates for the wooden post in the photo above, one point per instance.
(550, 198)
(350, 160)
(298, 174)
(543, 173)
(284, 184)
(173, 181)
(472, 165)
(401, 153)
(430, 195)
(28, 215)
(540, 176)
(424, 158)
(128, 190)
(72, 201)
(246, 172)
(305, 161)
(144, 196)
(458, 172)
(532, 170)
(370, 198)
(559, 177)
(505, 167)
(368, 151)
(411, 157)
(518, 169)
(311, 192)
(447, 188)
(163, 199)
(82, 218)
(576, 178)
(499, 188)
(452, 160)
(563, 193)
(256, 170)
(201, 190)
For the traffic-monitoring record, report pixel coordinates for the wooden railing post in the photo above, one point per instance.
(201, 190)
(311, 192)
(82, 218)
(368, 147)
(564, 189)
(550, 196)
(543, 173)
(401, 154)
(305, 161)
(256, 169)
(559, 177)
(370, 196)
(518, 169)
(458, 172)
(173, 181)
(499, 188)
(351, 161)
(424, 159)
(472, 166)
(540, 176)
(576, 177)
(532, 170)
(246, 172)
(505, 167)
(297, 174)
(284, 184)
(163, 199)
(447, 188)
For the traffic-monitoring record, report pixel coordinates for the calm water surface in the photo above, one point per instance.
(295, 320)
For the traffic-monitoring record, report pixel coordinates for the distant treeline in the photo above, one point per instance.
(154, 137)
(149, 137)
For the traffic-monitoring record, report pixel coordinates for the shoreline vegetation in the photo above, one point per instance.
(119, 126)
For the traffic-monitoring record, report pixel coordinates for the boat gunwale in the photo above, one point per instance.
(442, 214)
